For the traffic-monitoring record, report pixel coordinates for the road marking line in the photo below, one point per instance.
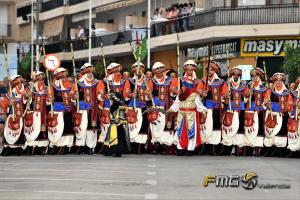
(148, 182)
(150, 196)
(152, 165)
(151, 159)
(151, 173)
(75, 170)
(151, 182)
(80, 193)
(72, 163)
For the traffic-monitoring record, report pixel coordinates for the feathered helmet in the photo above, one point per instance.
(235, 71)
(15, 80)
(215, 66)
(259, 72)
(38, 74)
(86, 68)
(190, 64)
(135, 65)
(60, 73)
(113, 67)
(158, 67)
(278, 77)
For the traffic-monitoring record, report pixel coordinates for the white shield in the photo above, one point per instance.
(229, 133)
(32, 132)
(157, 128)
(81, 130)
(12, 136)
(55, 133)
(135, 128)
(250, 136)
(270, 134)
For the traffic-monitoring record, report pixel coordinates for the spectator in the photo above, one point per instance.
(169, 17)
(93, 34)
(154, 19)
(81, 33)
(173, 18)
(185, 14)
(180, 21)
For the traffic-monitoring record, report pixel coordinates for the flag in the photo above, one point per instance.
(139, 43)
(26, 62)
(141, 51)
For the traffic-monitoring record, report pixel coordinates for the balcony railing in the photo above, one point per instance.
(83, 43)
(230, 16)
(214, 17)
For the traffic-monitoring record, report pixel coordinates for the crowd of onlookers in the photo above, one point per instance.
(176, 18)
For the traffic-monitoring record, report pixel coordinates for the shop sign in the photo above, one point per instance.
(219, 50)
(266, 47)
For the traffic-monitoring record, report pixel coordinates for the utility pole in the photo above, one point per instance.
(32, 39)
(37, 22)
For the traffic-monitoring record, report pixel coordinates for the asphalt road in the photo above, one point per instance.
(141, 177)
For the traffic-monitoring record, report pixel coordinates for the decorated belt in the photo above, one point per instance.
(188, 109)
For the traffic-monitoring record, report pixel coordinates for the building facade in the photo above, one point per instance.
(241, 32)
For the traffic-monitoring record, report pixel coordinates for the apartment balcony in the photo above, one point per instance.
(216, 23)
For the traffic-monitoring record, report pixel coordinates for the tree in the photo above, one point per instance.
(24, 68)
(291, 64)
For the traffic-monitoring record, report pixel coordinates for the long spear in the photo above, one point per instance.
(48, 83)
(209, 54)
(75, 77)
(267, 84)
(178, 62)
(104, 65)
(37, 63)
(8, 78)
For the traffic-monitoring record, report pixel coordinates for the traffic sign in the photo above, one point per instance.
(52, 62)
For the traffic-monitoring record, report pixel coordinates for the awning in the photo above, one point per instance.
(118, 5)
(24, 33)
(53, 27)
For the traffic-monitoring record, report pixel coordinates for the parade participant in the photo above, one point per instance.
(117, 139)
(16, 99)
(188, 104)
(254, 113)
(137, 103)
(3, 108)
(233, 119)
(293, 121)
(149, 74)
(190, 68)
(61, 133)
(35, 121)
(212, 89)
(276, 117)
(85, 119)
(162, 99)
(3, 115)
(126, 75)
(112, 83)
